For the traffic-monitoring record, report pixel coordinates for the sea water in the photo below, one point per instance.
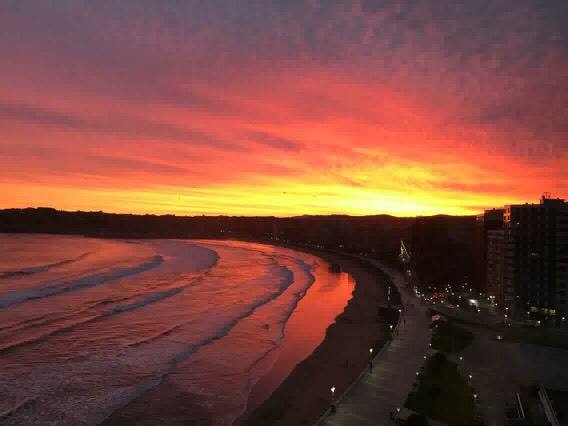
(153, 331)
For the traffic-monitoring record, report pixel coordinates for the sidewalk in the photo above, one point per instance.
(371, 400)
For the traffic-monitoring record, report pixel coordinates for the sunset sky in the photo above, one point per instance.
(282, 107)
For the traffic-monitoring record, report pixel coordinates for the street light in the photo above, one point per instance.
(470, 377)
(332, 399)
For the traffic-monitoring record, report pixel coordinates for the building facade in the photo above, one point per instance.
(486, 223)
(535, 256)
(495, 269)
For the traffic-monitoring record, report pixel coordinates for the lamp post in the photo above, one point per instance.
(332, 399)
(371, 359)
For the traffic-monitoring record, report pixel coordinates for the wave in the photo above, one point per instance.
(42, 268)
(81, 283)
(154, 297)
(221, 332)
(11, 411)
(157, 336)
(151, 298)
(42, 320)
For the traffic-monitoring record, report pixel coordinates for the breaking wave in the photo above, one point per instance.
(42, 268)
(53, 289)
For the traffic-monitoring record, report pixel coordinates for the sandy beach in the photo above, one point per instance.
(305, 395)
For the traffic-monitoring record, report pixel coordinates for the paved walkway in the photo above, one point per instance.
(370, 400)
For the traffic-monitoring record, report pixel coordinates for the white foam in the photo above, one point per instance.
(55, 288)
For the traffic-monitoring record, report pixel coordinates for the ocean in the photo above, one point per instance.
(154, 331)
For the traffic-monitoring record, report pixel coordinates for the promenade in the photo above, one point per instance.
(378, 392)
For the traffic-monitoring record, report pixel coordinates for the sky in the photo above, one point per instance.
(259, 107)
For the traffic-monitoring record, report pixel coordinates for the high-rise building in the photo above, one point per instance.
(486, 222)
(495, 257)
(535, 275)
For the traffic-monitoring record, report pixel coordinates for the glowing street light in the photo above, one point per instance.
(332, 399)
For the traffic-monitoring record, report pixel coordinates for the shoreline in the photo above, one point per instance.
(339, 359)
(320, 309)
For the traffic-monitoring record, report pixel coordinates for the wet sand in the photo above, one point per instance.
(305, 395)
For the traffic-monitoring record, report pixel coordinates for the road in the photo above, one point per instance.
(499, 368)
